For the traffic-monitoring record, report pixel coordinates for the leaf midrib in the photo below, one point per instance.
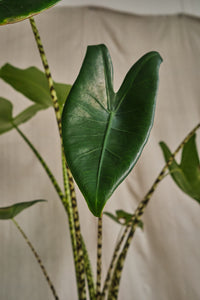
(111, 116)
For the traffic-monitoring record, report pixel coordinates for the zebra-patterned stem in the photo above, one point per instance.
(68, 206)
(99, 258)
(112, 264)
(114, 286)
(82, 293)
(89, 273)
(48, 74)
(81, 264)
(113, 292)
(38, 259)
(43, 163)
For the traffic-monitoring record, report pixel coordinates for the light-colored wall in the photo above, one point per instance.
(154, 7)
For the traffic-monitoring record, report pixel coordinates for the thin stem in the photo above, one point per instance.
(112, 264)
(38, 259)
(99, 258)
(89, 273)
(48, 74)
(81, 284)
(68, 206)
(113, 293)
(43, 163)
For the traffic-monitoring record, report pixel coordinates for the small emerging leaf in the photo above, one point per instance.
(186, 174)
(12, 11)
(10, 212)
(123, 218)
(105, 132)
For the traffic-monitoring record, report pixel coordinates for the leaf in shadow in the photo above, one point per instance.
(186, 174)
(10, 212)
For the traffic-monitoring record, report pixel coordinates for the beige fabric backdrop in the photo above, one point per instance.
(163, 262)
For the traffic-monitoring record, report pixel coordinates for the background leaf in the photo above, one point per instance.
(27, 114)
(12, 11)
(10, 212)
(5, 115)
(8, 122)
(186, 174)
(32, 83)
(104, 132)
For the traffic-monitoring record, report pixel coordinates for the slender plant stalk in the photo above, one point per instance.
(68, 206)
(89, 273)
(114, 289)
(99, 258)
(112, 264)
(43, 163)
(38, 259)
(80, 271)
(48, 74)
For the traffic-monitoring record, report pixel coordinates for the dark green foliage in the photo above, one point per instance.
(104, 132)
(12, 11)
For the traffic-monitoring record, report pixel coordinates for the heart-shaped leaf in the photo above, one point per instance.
(123, 218)
(104, 132)
(10, 212)
(32, 83)
(12, 11)
(186, 174)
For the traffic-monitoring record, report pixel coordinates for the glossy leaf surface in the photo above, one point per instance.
(32, 83)
(104, 132)
(10, 212)
(12, 11)
(186, 174)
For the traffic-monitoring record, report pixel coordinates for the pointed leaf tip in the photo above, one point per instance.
(10, 212)
(104, 132)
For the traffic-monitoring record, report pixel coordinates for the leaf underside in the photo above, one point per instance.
(12, 11)
(104, 132)
(10, 212)
(186, 174)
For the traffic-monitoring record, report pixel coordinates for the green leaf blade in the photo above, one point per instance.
(32, 83)
(27, 114)
(10, 212)
(186, 174)
(12, 11)
(102, 143)
(5, 115)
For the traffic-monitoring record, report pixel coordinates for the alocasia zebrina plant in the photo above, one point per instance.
(103, 133)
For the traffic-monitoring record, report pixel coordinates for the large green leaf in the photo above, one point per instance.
(10, 212)
(104, 132)
(186, 174)
(32, 83)
(8, 122)
(12, 11)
